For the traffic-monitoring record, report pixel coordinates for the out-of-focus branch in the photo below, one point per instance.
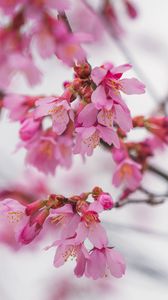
(158, 172)
(155, 200)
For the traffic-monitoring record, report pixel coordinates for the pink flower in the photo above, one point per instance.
(13, 213)
(41, 154)
(59, 109)
(29, 128)
(117, 115)
(69, 249)
(88, 138)
(90, 228)
(102, 260)
(42, 35)
(18, 106)
(68, 45)
(66, 220)
(46, 151)
(129, 173)
(86, 20)
(109, 85)
(15, 63)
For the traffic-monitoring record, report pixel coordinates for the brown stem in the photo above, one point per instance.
(158, 172)
(150, 201)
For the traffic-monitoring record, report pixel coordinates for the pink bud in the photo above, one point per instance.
(106, 201)
(34, 207)
(131, 10)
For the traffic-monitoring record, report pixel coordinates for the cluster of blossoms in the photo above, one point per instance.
(90, 110)
(35, 23)
(75, 220)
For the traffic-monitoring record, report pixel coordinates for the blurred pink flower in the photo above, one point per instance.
(47, 151)
(12, 216)
(59, 109)
(29, 128)
(18, 105)
(129, 173)
(88, 138)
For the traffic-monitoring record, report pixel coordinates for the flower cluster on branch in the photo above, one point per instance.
(90, 112)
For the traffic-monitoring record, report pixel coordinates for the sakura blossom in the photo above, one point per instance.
(102, 260)
(129, 173)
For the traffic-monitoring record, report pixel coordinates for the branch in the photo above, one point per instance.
(158, 172)
(153, 200)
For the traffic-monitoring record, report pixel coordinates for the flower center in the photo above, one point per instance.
(46, 148)
(126, 169)
(70, 252)
(93, 140)
(14, 216)
(90, 217)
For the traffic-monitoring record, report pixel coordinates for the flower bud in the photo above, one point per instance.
(34, 207)
(106, 201)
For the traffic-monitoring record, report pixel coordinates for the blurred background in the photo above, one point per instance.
(139, 232)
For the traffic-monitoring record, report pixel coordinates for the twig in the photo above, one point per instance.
(150, 201)
(158, 172)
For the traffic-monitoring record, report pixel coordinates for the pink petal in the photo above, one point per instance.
(132, 86)
(99, 97)
(96, 265)
(67, 209)
(115, 262)
(106, 117)
(70, 228)
(98, 74)
(60, 121)
(96, 206)
(117, 178)
(97, 235)
(59, 259)
(82, 233)
(88, 115)
(109, 136)
(81, 262)
(121, 69)
(123, 118)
